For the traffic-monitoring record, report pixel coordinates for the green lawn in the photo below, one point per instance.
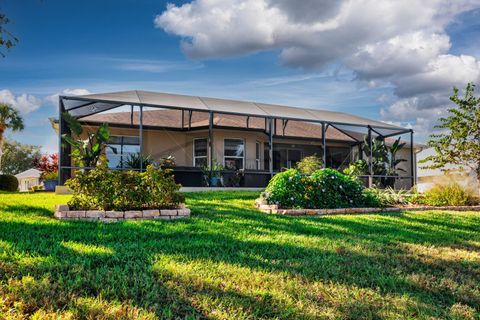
(230, 261)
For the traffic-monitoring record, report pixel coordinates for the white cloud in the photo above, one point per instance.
(383, 42)
(25, 103)
(308, 35)
(155, 66)
(53, 99)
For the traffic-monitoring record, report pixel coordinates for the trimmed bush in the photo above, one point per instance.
(287, 188)
(8, 183)
(332, 189)
(449, 195)
(310, 164)
(105, 189)
(325, 188)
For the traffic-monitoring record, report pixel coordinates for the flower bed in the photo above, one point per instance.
(63, 212)
(109, 190)
(109, 195)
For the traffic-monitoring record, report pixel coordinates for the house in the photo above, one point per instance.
(427, 178)
(28, 179)
(256, 138)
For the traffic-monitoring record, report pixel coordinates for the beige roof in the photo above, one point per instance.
(172, 118)
(105, 101)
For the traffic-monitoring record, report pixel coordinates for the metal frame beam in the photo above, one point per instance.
(141, 137)
(324, 145)
(345, 133)
(210, 144)
(370, 158)
(412, 166)
(270, 146)
(64, 149)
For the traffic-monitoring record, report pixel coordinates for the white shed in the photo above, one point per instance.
(28, 179)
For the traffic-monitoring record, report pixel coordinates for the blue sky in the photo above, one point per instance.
(122, 45)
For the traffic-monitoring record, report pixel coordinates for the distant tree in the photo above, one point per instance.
(9, 119)
(7, 40)
(18, 157)
(48, 164)
(459, 143)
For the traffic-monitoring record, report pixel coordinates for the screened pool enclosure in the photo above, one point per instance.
(241, 143)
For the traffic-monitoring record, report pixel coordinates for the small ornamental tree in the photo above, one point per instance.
(459, 143)
(48, 165)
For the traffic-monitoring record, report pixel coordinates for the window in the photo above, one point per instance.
(234, 153)
(288, 155)
(200, 152)
(257, 155)
(124, 146)
(338, 157)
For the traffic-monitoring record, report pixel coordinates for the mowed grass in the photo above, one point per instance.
(230, 261)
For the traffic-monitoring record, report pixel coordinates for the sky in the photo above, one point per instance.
(379, 59)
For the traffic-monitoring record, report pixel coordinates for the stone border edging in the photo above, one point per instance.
(63, 212)
(263, 206)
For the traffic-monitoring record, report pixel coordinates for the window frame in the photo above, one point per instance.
(194, 158)
(120, 154)
(258, 156)
(236, 157)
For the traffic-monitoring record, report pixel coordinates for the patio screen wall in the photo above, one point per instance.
(334, 136)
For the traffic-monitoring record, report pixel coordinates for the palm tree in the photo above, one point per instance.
(9, 119)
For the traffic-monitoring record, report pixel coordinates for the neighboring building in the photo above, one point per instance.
(28, 179)
(260, 139)
(427, 178)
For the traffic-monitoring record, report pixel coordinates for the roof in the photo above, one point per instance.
(172, 118)
(30, 173)
(94, 103)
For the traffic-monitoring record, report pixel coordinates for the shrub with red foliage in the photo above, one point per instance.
(48, 164)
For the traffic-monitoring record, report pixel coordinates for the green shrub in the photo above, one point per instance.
(8, 182)
(331, 189)
(391, 197)
(371, 199)
(325, 188)
(310, 164)
(36, 188)
(448, 195)
(135, 160)
(105, 189)
(358, 168)
(53, 175)
(287, 188)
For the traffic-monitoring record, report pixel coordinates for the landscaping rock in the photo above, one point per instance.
(94, 214)
(312, 212)
(178, 217)
(132, 214)
(151, 213)
(75, 214)
(114, 214)
(62, 207)
(168, 212)
(60, 214)
(183, 212)
(162, 217)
